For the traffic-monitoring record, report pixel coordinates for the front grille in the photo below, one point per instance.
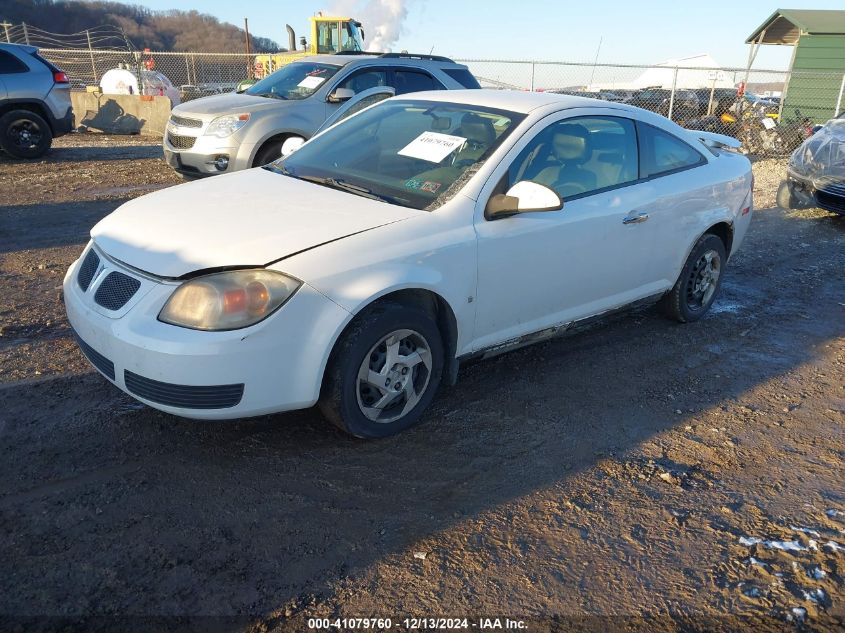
(184, 396)
(835, 188)
(87, 269)
(183, 122)
(116, 290)
(95, 358)
(831, 201)
(181, 142)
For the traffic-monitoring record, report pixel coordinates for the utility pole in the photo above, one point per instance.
(248, 64)
(6, 26)
(91, 52)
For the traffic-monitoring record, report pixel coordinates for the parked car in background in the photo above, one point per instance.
(685, 105)
(815, 174)
(125, 81)
(226, 133)
(35, 102)
(723, 99)
(359, 271)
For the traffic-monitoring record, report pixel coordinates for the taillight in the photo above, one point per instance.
(60, 77)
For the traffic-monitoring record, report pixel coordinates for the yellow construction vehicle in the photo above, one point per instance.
(329, 35)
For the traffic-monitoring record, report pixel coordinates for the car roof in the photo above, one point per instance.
(402, 60)
(514, 100)
(20, 47)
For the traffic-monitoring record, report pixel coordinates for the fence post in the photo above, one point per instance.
(672, 96)
(783, 95)
(837, 110)
(25, 33)
(91, 52)
(532, 76)
(6, 26)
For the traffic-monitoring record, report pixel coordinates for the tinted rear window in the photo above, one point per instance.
(10, 64)
(463, 77)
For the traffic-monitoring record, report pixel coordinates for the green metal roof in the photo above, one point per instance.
(785, 26)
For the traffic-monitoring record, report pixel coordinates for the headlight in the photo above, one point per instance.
(224, 126)
(228, 301)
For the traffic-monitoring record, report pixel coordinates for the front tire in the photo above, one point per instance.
(697, 286)
(24, 134)
(383, 372)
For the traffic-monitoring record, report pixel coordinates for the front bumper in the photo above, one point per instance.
(275, 365)
(199, 160)
(825, 194)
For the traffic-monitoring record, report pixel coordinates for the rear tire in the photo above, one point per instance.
(24, 134)
(699, 282)
(383, 372)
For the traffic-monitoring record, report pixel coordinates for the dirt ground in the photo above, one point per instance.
(641, 475)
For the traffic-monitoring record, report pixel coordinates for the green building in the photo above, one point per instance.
(817, 71)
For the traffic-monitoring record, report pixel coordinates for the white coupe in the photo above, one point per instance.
(358, 272)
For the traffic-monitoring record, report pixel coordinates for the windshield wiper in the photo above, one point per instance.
(272, 95)
(342, 185)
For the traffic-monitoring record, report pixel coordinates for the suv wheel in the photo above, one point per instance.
(24, 134)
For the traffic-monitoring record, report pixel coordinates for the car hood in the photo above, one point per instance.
(227, 103)
(821, 158)
(250, 218)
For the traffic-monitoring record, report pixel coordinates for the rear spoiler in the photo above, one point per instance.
(718, 141)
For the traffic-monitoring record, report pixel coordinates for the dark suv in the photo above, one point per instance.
(34, 102)
(685, 106)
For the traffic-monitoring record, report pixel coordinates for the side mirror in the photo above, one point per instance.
(340, 95)
(524, 197)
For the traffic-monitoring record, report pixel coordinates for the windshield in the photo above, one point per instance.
(294, 81)
(415, 154)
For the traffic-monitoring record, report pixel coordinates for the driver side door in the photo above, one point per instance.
(541, 269)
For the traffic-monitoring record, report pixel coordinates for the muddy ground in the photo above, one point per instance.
(641, 475)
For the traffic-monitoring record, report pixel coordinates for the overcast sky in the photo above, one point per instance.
(632, 31)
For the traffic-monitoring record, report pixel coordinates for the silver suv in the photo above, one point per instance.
(34, 102)
(225, 133)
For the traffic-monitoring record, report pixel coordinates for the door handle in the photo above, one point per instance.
(638, 218)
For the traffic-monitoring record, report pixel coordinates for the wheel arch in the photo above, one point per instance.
(272, 137)
(724, 231)
(32, 105)
(425, 298)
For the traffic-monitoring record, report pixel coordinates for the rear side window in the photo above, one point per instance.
(664, 153)
(406, 81)
(9, 64)
(463, 77)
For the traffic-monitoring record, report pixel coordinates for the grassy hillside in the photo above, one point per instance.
(158, 30)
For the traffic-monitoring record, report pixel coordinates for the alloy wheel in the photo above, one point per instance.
(703, 280)
(393, 376)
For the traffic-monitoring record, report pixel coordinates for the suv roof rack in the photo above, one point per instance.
(355, 53)
(434, 58)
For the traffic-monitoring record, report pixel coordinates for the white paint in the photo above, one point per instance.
(525, 274)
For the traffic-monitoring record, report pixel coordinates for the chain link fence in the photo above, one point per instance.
(775, 113)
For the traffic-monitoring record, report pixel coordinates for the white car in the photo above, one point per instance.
(359, 271)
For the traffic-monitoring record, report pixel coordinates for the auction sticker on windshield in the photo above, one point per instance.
(432, 146)
(311, 82)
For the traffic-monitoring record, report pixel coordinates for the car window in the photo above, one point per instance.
(293, 81)
(662, 152)
(411, 153)
(577, 156)
(406, 81)
(9, 64)
(365, 79)
(463, 77)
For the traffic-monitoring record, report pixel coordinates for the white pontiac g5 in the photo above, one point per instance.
(359, 271)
